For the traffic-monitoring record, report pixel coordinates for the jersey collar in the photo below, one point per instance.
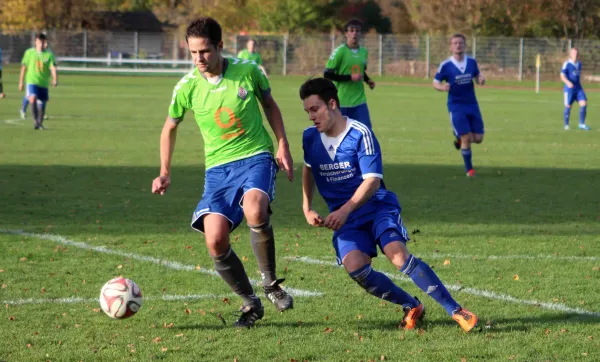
(462, 66)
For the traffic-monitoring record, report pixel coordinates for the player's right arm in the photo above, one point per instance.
(168, 136)
(23, 70)
(439, 78)
(563, 76)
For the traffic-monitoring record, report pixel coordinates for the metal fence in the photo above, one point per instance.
(390, 55)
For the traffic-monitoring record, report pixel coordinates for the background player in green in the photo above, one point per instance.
(250, 53)
(224, 95)
(347, 68)
(36, 67)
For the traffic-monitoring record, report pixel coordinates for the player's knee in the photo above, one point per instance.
(256, 214)
(583, 103)
(217, 244)
(478, 138)
(32, 99)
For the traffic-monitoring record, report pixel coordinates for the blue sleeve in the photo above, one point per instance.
(564, 69)
(440, 76)
(369, 156)
(305, 148)
(476, 72)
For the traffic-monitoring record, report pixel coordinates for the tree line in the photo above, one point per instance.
(523, 18)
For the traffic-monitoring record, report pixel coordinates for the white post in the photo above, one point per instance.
(332, 42)
(380, 55)
(120, 59)
(538, 64)
(428, 57)
(85, 43)
(474, 47)
(285, 48)
(570, 44)
(136, 45)
(521, 53)
(108, 59)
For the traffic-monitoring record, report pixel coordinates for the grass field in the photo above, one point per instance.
(518, 245)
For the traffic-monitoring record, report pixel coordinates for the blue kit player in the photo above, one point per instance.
(571, 76)
(342, 157)
(456, 76)
(347, 68)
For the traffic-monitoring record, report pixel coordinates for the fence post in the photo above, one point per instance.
(85, 43)
(332, 42)
(474, 47)
(428, 57)
(136, 44)
(108, 59)
(235, 45)
(521, 56)
(570, 44)
(285, 48)
(380, 55)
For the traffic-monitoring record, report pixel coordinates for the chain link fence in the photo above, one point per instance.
(291, 54)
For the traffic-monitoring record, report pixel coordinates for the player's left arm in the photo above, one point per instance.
(273, 114)
(368, 80)
(371, 167)
(479, 78)
(54, 71)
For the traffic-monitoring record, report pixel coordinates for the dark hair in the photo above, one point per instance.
(322, 87)
(41, 36)
(204, 27)
(353, 22)
(459, 36)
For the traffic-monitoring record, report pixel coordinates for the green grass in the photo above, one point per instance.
(88, 179)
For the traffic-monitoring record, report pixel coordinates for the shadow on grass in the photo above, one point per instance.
(118, 199)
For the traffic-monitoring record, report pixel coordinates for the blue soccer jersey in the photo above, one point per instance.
(340, 164)
(572, 71)
(460, 76)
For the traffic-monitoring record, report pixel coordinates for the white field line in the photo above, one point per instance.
(472, 291)
(510, 257)
(166, 263)
(72, 300)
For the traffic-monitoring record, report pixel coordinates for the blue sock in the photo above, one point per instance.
(24, 104)
(426, 279)
(379, 285)
(582, 113)
(567, 115)
(467, 156)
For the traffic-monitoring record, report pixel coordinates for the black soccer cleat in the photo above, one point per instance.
(279, 297)
(249, 316)
(457, 143)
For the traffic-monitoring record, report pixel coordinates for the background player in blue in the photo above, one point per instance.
(571, 76)
(458, 72)
(342, 156)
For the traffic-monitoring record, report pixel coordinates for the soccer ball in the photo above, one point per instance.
(120, 298)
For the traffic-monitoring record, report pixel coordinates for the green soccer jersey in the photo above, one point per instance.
(347, 61)
(245, 54)
(226, 112)
(38, 67)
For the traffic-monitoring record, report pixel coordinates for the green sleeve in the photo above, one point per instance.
(334, 60)
(260, 82)
(179, 103)
(52, 60)
(240, 54)
(258, 59)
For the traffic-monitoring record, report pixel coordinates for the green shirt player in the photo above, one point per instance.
(347, 68)
(224, 96)
(251, 54)
(37, 65)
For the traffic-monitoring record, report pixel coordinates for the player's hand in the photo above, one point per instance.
(20, 87)
(570, 85)
(481, 79)
(336, 219)
(55, 83)
(371, 84)
(446, 87)
(284, 160)
(313, 218)
(161, 184)
(356, 77)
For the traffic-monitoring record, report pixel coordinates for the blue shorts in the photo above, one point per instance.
(378, 228)
(573, 94)
(359, 113)
(465, 119)
(225, 186)
(40, 93)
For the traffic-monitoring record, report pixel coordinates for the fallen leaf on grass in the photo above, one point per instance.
(447, 262)
(28, 345)
(170, 325)
(11, 318)
(4, 286)
(96, 310)
(164, 349)
(327, 330)
(188, 311)
(244, 258)
(516, 277)
(179, 335)
(157, 340)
